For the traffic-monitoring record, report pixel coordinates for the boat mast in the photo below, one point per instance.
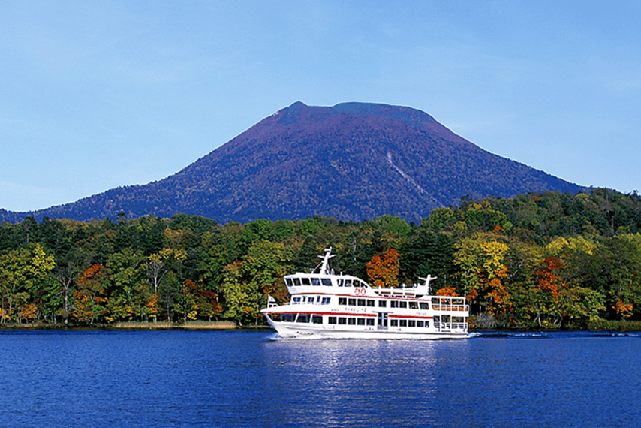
(427, 282)
(324, 265)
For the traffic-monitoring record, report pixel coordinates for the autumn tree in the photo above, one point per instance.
(382, 270)
(447, 291)
(89, 297)
(551, 290)
(483, 273)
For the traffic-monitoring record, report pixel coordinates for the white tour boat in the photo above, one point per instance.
(326, 305)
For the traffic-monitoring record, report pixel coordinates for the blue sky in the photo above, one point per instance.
(100, 94)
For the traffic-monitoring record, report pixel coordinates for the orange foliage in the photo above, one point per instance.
(548, 280)
(447, 291)
(498, 293)
(29, 311)
(383, 270)
(212, 297)
(623, 309)
(152, 304)
(91, 272)
(90, 294)
(472, 294)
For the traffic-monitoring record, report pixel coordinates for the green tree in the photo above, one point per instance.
(23, 274)
(240, 301)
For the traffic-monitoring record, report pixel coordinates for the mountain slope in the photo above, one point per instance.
(352, 161)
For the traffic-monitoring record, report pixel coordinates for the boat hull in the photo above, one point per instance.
(292, 330)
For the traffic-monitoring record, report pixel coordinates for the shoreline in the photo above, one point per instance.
(599, 326)
(199, 325)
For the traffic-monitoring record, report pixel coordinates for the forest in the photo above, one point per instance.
(538, 260)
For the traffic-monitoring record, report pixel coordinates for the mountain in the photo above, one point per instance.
(352, 161)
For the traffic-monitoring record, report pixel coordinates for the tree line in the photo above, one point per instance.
(545, 259)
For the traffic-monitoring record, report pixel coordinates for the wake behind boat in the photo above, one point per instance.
(325, 305)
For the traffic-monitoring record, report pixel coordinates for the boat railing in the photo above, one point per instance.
(451, 326)
(451, 308)
(400, 291)
(449, 303)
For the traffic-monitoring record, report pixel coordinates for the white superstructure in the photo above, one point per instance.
(325, 305)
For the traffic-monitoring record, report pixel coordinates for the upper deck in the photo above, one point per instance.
(323, 281)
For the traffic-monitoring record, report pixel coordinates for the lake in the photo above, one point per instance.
(249, 379)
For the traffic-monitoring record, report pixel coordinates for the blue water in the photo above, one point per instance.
(248, 379)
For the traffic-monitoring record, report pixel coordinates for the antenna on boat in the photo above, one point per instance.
(427, 281)
(324, 265)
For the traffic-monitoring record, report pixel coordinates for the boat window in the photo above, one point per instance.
(331, 320)
(325, 301)
(413, 305)
(317, 319)
(427, 324)
(411, 323)
(351, 302)
(370, 321)
(402, 323)
(342, 301)
(361, 302)
(342, 320)
(288, 282)
(419, 323)
(340, 282)
(382, 303)
(393, 323)
(288, 317)
(305, 281)
(371, 302)
(351, 321)
(310, 299)
(303, 318)
(402, 305)
(295, 300)
(296, 281)
(361, 321)
(326, 281)
(316, 281)
(393, 304)
(425, 305)
(348, 283)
